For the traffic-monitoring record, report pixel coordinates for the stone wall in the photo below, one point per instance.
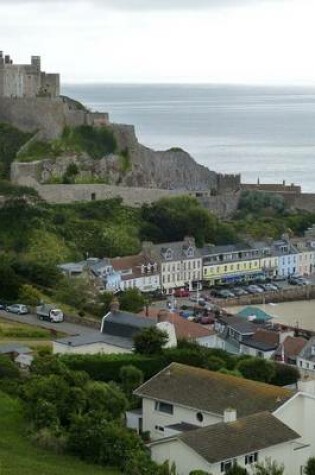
(50, 116)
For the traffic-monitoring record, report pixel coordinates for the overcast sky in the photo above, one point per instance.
(195, 41)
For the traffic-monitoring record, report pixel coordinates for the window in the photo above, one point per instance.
(199, 416)
(164, 407)
(226, 465)
(251, 458)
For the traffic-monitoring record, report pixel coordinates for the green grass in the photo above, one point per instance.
(18, 456)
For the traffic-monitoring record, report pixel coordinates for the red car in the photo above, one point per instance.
(181, 293)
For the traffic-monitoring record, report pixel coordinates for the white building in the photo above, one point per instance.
(188, 414)
(180, 264)
(138, 272)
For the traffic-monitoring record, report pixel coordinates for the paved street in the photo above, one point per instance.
(64, 327)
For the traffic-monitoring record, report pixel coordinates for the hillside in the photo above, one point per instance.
(19, 456)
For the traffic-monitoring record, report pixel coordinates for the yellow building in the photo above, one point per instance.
(230, 264)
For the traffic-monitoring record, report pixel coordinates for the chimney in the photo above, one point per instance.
(162, 315)
(114, 305)
(229, 415)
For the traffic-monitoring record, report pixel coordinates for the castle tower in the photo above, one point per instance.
(35, 62)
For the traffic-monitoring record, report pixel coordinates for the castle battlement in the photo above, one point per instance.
(26, 80)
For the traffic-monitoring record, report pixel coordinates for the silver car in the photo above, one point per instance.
(18, 308)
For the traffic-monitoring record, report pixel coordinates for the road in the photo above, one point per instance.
(64, 327)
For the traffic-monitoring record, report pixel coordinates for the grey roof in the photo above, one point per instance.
(178, 248)
(97, 337)
(14, 348)
(125, 324)
(182, 427)
(222, 441)
(260, 345)
(239, 324)
(209, 250)
(212, 392)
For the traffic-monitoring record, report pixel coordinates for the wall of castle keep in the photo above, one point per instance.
(49, 115)
(26, 80)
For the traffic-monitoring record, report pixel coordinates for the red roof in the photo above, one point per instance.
(185, 329)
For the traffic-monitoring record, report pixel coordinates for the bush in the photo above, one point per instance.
(29, 295)
(8, 369)
(107, 367)
(285, 375)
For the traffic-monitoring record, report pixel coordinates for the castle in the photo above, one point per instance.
(26, 80)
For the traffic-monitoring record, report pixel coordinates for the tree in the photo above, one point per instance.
(236, 470)
(131, 377)
(29, 295)
(309, 469)
(268, 468)
(7, 368)
(257, 369)
(150, 341)
(131, 300)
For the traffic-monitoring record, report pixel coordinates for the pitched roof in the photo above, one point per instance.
(212, 392)
(238, 324)
(184, 329)
(307, 351)
(254, 311)
(96, 337)
(292, 346)
(124, 324)
(226, 440)
(265, 340)
(134, 263)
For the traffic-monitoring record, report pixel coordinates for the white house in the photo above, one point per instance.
(204, 420)
(181, 393)
(137, 271)
(215, 448)
(305, 361)
(180, 264)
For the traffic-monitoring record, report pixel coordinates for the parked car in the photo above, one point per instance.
(269, 287)
(238, 291)
(297, 280)
(181, 293)
(254, 289)
(18, 308)
(226, 294)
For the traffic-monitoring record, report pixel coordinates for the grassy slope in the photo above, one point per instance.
(18, 456)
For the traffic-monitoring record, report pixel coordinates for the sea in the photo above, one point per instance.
(265, 133)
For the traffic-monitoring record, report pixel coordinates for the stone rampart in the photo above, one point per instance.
(49, 115)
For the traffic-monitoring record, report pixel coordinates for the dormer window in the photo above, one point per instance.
(190, 252)
(169, 254)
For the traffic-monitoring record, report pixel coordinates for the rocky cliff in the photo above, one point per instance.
(131, 165)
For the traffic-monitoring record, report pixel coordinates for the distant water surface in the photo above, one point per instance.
(256, 131)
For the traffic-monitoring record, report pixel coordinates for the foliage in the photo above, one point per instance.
(131, 300)
(258, 202)
(150, 341)
(37, 150)
(9, 189)
(171, 219)
(97, 142)
(10, 282)
(20, 454)
(29, 295)
(74, 292)
(285, 375)
(257, 369)
(71, 172)
(236, 470)
(44, 274)
(130, 377)
(11, 140)
(309, 469)
(7, 368)
(198, 472)
(268, 468)
(107, 367)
